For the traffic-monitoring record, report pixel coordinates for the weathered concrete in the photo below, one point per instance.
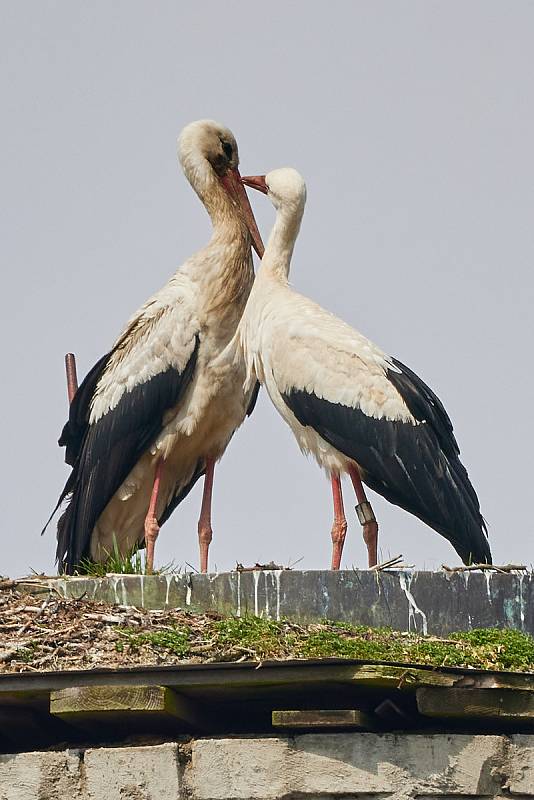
(136, 773)
(314, 766)
(437, 602)
(345, 764)
(41, 776)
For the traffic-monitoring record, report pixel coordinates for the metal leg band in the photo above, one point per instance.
(365, 512)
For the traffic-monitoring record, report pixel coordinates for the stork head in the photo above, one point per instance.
(284, 187)
(209, 157)
(287, 191)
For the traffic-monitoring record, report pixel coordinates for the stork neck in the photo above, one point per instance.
(221, 208)
(224, 214)
(276, 260)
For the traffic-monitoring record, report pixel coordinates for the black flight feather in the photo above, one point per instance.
(415, 467)
(253, 399)
(105, 452)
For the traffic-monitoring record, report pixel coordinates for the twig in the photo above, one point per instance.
(390, 563)
(111, 618)
(32, 619)
(488, 567)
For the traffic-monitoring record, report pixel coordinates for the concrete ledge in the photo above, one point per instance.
(433, 602)
(309, 766)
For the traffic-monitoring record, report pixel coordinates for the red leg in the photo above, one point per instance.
(366, 516)
(151, 523)
(339, 528)
(204, 521)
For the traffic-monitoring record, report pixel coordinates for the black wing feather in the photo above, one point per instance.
(413, 466)
(108, 450)
(253, 399)
(76, 426)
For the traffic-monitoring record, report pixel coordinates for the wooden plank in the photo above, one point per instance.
(331, 718)
(476, 704)
(218, 681)
(116, 704)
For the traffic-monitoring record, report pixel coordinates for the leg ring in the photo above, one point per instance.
(365, 512)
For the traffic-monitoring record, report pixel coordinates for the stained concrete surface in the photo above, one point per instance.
(433, 602)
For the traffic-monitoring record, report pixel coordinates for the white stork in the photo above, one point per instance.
(155, 413)
(357, 410)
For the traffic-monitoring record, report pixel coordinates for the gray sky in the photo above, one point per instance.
(413, 124)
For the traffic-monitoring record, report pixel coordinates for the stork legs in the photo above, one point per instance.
(339, 527)
(204, 522)
(151, 522)
(365, 515)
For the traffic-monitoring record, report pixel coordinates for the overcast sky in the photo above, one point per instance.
(413, 125)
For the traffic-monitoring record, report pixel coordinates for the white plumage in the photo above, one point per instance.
(157, 412)
(349, 404)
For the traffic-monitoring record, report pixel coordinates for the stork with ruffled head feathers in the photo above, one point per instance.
(356, 409)
(155, 413)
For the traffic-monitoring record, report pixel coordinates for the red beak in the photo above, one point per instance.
(256, 182)
(233, 185)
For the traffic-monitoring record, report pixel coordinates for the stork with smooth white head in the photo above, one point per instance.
(356, 409)
(156, 412)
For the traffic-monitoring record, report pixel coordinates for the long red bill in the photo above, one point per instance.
(256, 182)
(233, 185)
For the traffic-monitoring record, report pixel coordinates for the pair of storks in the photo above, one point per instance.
(159, 409)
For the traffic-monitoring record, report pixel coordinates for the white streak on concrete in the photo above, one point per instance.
(521, 601)
(277, 573)
(256, 573)
(123, 593)
(189, 590)
(487, 575)
(405, 579)
(238, 611)
(168, 579)
(142, 581)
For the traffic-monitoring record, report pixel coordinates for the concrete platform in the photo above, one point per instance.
(428, 602)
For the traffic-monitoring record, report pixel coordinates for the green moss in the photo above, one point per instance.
(263, 638)
(508, 649)
(175, 640)
(258, 639)
(27, 654)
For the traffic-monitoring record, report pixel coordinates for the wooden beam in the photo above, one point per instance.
(117, 704)
(234, 680)
(476, 704)
(331, 718)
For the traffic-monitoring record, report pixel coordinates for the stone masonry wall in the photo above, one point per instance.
(318, 766)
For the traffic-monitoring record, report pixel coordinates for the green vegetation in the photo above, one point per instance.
(175, 641)
(116, 563)
(130, 563)
(255, 638)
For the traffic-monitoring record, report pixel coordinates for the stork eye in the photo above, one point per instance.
(227, 148)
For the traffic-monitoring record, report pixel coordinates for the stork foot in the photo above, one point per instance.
(339, 531)
(151, 534)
